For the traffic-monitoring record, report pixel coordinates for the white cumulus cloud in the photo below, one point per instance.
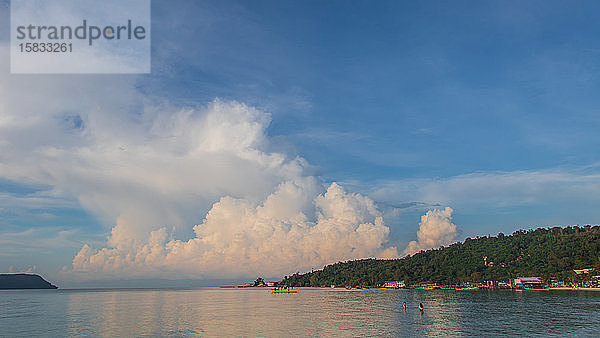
(238, 238)
(435, 229)
(150, 171)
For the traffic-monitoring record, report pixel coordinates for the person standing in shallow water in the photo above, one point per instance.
(421, 307)
(404, 306)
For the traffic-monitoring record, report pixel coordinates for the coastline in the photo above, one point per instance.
(574, 289)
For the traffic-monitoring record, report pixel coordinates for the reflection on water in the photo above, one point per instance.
(313, 312)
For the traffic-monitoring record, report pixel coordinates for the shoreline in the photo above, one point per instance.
(574, 289)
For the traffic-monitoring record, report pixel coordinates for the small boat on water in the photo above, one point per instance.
(373, 289)
(285, 291)
(426, 286)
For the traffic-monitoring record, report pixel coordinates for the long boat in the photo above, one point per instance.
(374, 289)
(285, 291)
(467, 288)
(538, 289)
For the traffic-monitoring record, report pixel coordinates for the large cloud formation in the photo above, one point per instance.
(435, 229)
(151, 171)
(238, 238)
(220, 152)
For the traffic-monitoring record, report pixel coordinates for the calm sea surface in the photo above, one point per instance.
(312, 312)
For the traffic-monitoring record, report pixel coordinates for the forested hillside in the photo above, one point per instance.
(542, 252)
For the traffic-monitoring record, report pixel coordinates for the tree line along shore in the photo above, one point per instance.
(559, 257)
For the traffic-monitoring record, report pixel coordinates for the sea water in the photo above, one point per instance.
(311, 312)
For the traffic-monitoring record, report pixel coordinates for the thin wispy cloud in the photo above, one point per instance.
(500, 189)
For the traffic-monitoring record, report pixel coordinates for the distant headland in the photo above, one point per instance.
(14, 281)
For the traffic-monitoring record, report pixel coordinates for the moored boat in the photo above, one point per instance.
(285, 291)
(426, 286)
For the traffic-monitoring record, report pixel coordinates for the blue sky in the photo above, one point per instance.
(373, 92)
(394, 89)
(489, 107)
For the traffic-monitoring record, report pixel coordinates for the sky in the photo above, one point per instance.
(279, 136)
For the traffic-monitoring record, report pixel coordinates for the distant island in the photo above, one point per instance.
(557, 256)
(23, 281)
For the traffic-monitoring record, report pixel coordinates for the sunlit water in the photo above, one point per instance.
(312, 312)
